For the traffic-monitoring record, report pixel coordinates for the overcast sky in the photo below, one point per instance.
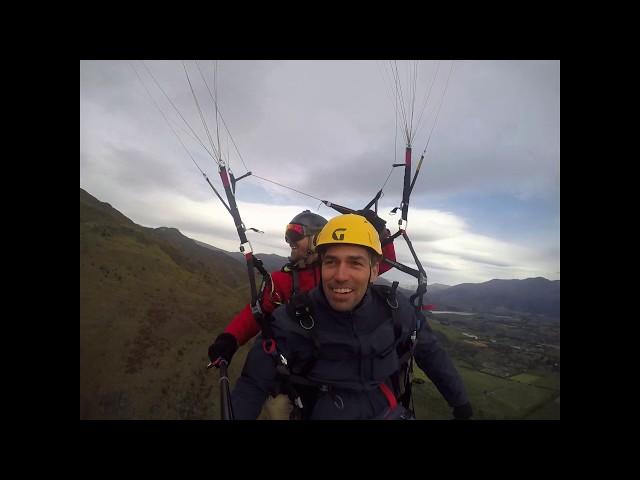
(486, 203)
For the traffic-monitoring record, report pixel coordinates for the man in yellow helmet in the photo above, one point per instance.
(342, 350)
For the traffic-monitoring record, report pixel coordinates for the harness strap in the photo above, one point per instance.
(391, 238)
(401, 381)
(291, 391)
(295, 281)
(392, 301)
(269, 344)
(284, 374)
(391, 398)
(405, 358)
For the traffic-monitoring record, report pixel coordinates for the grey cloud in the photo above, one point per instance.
(221, 226)
(499, 130)
(493, 119)
(139, 171)
(437, 266)
(325, 128)
(483, 260)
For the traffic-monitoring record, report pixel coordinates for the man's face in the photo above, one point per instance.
(299, 249)
(346, 274)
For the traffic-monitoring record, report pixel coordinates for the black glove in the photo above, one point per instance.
(375, 220)
(462, 412)
(223, 347)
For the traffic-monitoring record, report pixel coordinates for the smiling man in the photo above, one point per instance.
(300, 274)
(348, 269)
(346, 274)
(343, 352)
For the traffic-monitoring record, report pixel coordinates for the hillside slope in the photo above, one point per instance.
(151, 300)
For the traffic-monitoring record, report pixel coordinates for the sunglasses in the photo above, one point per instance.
(294, 233)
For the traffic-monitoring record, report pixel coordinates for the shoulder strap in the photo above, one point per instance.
(389, 295)
(295, 282)
(402, 379)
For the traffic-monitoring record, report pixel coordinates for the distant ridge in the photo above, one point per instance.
(271, 261)
(531, 295)
(437, 287)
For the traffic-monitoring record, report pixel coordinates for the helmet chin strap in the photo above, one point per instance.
(311, 251)
(307, 256)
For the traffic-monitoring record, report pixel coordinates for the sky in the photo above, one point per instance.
(486, 203)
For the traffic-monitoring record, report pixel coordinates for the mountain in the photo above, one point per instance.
(94, 211)
(383, 281)
(532, 295)
(437, 287)
(151, 301)
(211, 247)
(410, 291)
(270, 261)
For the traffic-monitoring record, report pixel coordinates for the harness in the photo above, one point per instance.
(304, 392)
(269, 345)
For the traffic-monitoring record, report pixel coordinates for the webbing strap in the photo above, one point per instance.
(295, 281)
(391, 398)
(391, 238)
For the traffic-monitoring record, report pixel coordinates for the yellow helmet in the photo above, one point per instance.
(352, 229)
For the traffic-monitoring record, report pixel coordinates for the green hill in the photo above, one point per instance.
(151, 300)
(271, 261)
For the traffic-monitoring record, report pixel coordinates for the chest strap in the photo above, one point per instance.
(295, 281)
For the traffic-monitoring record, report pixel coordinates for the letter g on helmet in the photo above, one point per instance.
(352, 229)
(338, 236)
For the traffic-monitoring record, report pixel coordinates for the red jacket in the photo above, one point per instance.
(244, 327)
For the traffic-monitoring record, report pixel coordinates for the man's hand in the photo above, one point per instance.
(223, 348)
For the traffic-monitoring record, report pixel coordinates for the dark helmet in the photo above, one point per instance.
(304, 224)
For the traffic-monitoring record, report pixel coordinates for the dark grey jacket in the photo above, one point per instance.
(357, 352)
